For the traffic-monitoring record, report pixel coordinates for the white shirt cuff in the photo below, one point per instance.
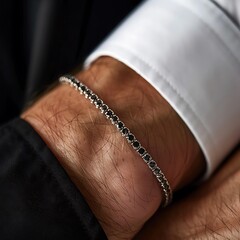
(190, 52)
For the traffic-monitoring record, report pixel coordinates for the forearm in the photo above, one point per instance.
(118, 186)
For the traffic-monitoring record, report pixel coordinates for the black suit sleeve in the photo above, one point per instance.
(37, 198)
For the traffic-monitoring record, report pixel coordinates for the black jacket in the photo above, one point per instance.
(40, 40)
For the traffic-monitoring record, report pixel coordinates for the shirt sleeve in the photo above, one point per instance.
(232, 8)
(189, 51)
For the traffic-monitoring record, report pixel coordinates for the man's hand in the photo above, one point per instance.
(211, 212)
(117, 184)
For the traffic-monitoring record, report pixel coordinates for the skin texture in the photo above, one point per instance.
(210, 212)
(118, 186)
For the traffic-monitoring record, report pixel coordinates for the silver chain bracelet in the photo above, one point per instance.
(109, 114)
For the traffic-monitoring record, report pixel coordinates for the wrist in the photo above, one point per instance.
(116, 183)
(97, 158)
